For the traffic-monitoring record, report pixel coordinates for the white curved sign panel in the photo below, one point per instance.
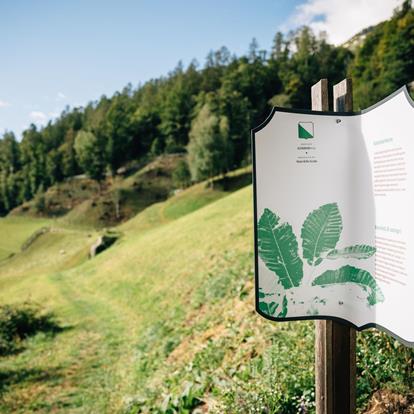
(334, 216)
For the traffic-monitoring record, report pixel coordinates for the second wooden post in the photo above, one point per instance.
(335, 343)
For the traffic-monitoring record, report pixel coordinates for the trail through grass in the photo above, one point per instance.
(105, 304)
(164, 320)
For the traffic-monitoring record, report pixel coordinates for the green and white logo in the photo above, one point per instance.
(305, 130)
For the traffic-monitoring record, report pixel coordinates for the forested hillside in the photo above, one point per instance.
(206, 110)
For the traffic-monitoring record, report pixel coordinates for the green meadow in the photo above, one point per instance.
(164, 320)
(15, 231)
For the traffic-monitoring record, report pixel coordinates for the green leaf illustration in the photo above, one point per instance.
(284, 310)
(359, 251)
(269, 308)
(350, 274)
(278, 248)
(320, 232)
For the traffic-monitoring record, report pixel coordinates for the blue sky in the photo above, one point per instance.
(58, 53)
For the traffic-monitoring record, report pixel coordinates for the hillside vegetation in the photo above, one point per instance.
(164, 320)
(80, 201)
(205, 112)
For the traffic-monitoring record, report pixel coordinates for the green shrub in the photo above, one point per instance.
(18, 322)
(184, 403)
(382, 362)
(181, 175)
(281, 380)
(39, 200)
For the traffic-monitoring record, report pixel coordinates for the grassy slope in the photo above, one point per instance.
(15, 231)
(147, 186)
(129, 311)
(109, 286)
(164, 314)
(187, 201)
(79, 202)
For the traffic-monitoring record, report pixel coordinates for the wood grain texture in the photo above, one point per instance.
(335, 343)
(319, 93)
(342, 96)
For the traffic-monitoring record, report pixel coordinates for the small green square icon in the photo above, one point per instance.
(305, 130)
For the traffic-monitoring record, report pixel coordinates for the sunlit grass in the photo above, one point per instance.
(15, 230)
(162, 320)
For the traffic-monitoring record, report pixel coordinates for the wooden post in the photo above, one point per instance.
(342, 96)
(335, 343)
(319, 94)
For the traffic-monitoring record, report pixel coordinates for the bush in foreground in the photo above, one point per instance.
(18, 322)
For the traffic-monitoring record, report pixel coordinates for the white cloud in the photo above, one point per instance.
(341, 19)
(4, 104)
(38, 117)
(60, 96)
